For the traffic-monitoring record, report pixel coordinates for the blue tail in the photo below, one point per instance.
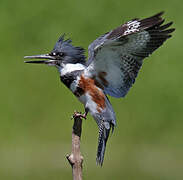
(104, 131)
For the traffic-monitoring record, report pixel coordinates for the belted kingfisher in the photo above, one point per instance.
(113, 64)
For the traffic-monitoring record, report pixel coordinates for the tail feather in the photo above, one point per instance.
(104, 131)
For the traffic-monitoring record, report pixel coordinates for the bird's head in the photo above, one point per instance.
(63, 52)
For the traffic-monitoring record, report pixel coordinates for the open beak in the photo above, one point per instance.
(51, 59)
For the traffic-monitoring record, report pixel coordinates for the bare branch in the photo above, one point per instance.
(75, 159)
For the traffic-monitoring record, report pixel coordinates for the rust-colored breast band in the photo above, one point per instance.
(88, 85)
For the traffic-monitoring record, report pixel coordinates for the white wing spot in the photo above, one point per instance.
(132, 27)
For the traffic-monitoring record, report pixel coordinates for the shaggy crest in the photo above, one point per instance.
(66, 47)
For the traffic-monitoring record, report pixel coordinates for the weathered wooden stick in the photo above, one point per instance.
(75, 159)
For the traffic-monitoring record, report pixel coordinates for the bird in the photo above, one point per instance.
(114, 60)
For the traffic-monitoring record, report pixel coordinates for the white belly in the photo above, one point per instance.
(86, 99)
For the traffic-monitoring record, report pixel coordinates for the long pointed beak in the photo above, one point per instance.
(52, 60)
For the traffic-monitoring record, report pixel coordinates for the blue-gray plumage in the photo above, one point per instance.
(114, 61)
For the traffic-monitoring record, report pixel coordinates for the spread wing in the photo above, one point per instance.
(116, 57)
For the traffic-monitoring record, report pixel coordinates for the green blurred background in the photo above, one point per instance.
(35, 125)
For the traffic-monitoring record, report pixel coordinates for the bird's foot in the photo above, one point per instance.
(79, 115)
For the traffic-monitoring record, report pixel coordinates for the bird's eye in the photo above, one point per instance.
(53, 54)
(60, 54)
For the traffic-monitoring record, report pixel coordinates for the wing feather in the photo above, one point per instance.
(120, 52)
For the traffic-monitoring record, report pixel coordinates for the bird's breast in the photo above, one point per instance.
(88, 93)
(70, 79)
